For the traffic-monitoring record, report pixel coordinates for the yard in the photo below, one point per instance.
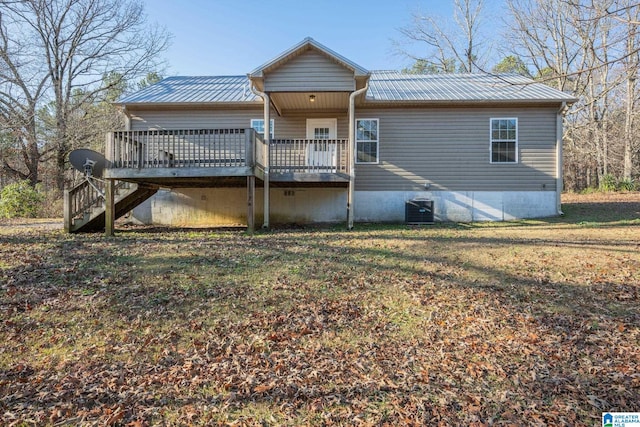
(517, 323)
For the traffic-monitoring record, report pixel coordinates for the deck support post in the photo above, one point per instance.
(110, 207)
(267, 151)
(67, 211)
(352, 155)
(251, 195)
(267, 159)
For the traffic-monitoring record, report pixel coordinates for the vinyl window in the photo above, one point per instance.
(258, 125)
(367, 141)
(504, 140)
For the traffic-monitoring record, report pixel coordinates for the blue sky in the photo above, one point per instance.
(232, 37)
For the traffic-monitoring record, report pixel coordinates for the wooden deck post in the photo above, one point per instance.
(109, 208)
(109, 148)
(67, 211)
(251, 194)
(267, 160)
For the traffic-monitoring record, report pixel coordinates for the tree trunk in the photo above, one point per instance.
(60, 168)
(632, 71)
(627, 167)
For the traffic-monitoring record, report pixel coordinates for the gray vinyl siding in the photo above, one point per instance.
(310, 72)
(194, 119)
(292, 126)
(448, 148)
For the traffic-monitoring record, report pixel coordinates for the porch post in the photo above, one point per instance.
(267, 157)
(249, 148)
(109, 209)
(109, 149)
(352, 155)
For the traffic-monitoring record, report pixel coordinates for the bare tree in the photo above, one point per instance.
(22, 86)
(540, 33)
(57, 52)
(448, 45)
(591, 50)
(467, 14)
(632, 67)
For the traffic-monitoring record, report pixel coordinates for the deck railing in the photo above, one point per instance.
(185, 148)
(309, 156)
(223, 148)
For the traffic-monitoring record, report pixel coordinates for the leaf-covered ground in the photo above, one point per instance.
(519, 323)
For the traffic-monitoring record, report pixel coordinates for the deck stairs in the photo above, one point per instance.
(85, 204)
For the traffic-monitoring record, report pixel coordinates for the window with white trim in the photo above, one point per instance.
(258, 125)
(367, 141)
(504, 140)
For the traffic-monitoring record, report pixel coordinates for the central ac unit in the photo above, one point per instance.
(418, 211)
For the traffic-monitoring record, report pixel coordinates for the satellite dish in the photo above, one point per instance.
(89, 162)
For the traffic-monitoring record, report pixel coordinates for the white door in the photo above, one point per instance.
(322, 155)
(322, 128)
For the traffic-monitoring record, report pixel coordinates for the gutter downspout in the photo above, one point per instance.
(267, 143)
(559, 154)
(352, 154)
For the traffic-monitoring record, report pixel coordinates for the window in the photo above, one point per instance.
(321, 133)
(258, 125)
(504, 140)
(367, 141)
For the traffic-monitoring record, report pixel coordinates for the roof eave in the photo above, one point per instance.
(188, 104)
(469, 101)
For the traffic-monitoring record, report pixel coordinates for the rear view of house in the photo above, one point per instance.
(311, 136)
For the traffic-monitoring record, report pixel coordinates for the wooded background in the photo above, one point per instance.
(63, 63)
(586, 48)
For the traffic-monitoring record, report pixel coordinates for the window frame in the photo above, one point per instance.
(377, 141)
(507, 140)
(271, 129)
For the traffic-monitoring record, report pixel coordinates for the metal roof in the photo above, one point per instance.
(390, 86)
(384, 86)
(197, 90)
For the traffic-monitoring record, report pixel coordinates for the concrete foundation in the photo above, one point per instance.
(457, 206)
(199, 207)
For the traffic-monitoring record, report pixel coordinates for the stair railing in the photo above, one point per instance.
(85, 196)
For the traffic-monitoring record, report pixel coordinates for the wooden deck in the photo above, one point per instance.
(189, 158)
(210, 157)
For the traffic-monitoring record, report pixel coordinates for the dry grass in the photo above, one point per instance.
(519, 323)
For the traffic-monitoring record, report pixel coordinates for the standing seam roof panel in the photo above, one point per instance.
(388, 86)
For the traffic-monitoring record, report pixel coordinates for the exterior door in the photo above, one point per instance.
(321, 153)
(322, 128)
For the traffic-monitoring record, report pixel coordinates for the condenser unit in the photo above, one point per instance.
(418, 211)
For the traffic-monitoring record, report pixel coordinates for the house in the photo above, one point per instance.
(310, 136)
